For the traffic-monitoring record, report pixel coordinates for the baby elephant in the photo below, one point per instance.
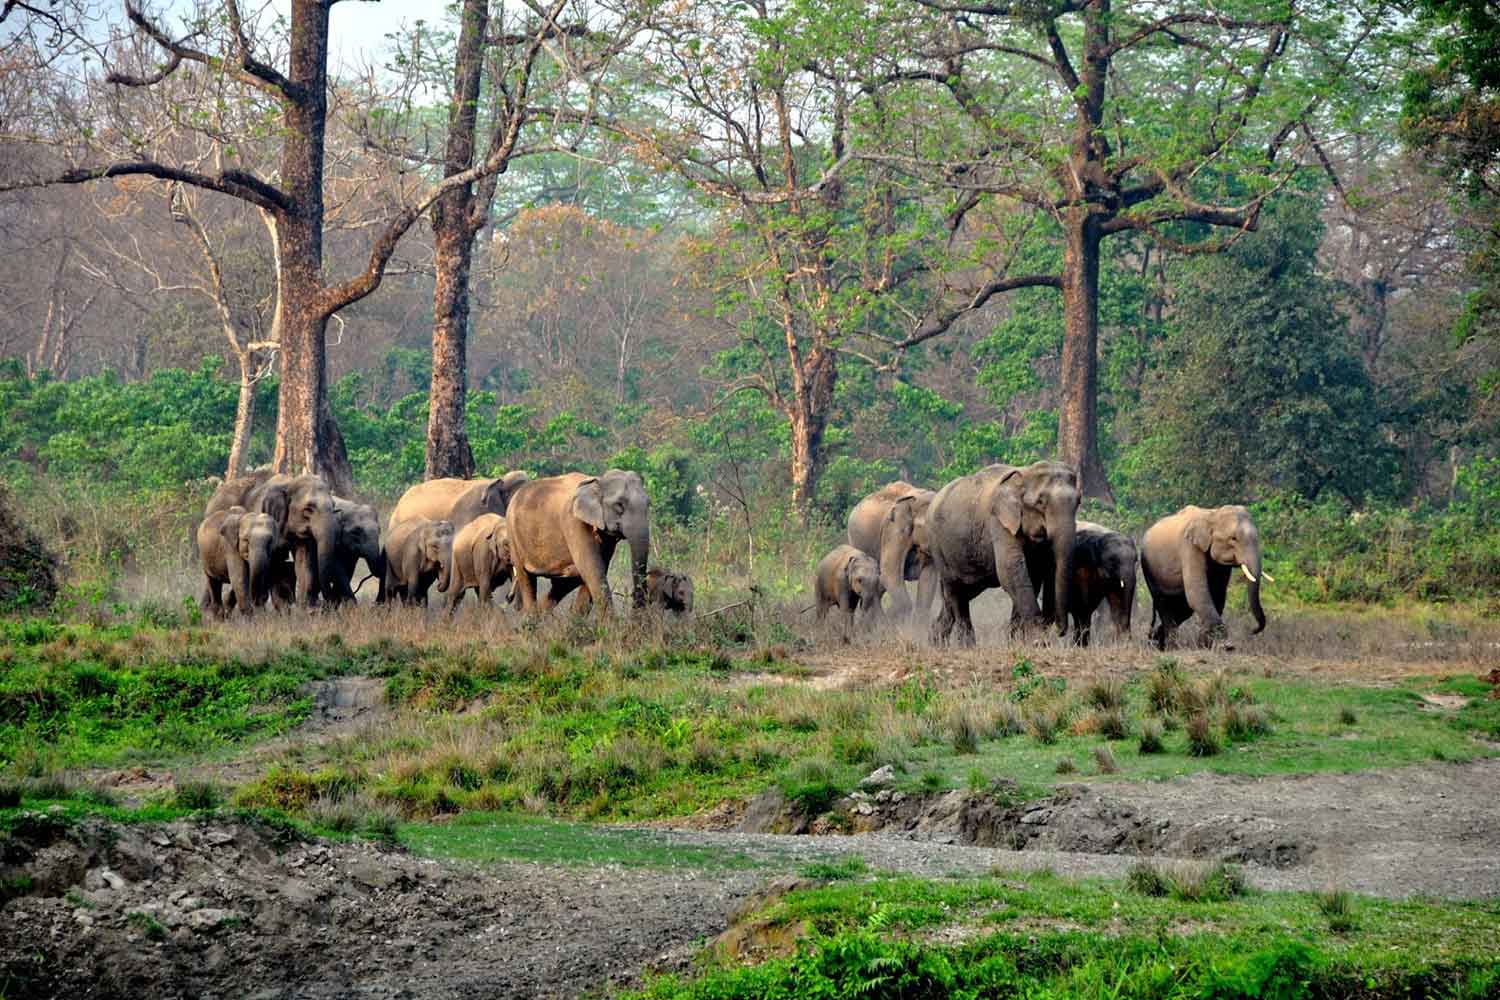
(418, 552)
(1103, 570)
(237, 548)
(848, 579)
(481, 559)
(669, 591)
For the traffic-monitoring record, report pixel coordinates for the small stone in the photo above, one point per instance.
(111, 879)
(218, 838)
(879, 778)
(1035, 817)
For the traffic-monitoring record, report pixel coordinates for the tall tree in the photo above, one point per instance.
(295, 101)
(1158, 117)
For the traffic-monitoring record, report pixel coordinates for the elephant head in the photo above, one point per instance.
(615, 504)
(1039, 505)
(359, 538)
(864, 580)
(487, 496)
(255, 541)
(670, 591)
(1228, 537)
(902, 553)
(437, 550)
(302, 507)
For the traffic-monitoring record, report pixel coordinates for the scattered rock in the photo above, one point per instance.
(879, 778)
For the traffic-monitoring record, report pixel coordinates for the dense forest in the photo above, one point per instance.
(770, 255)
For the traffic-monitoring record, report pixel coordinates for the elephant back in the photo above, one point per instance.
(236, 492)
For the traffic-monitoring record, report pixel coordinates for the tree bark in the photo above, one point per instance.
(456, 219)
(811, 402)
(244, 418)
(1078, 429)
(307, 439)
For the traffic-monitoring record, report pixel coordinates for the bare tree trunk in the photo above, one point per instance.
(1078, 430)
(454, 225)
(244, 418)
(307, 439)
(811, 406)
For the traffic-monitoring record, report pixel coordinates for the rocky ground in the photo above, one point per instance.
(216, 909)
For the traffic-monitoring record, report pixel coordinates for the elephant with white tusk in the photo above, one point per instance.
(1188, 559)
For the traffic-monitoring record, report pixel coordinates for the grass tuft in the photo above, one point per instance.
(1043, 720)
(1245, 722)
(1105, 758)
(1106, 694)
(1112, 723)
(1188, 881)
(1203, 740)
(1066, 766)
(1347, 716)
(198, 795)
(1151, 737)
(1338, 906)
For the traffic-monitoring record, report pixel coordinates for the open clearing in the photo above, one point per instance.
(1381, 779)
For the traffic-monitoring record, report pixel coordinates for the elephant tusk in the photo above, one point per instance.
(1267, 576)
(1248, 575)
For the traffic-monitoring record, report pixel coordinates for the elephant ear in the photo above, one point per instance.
(496, 497)
(274, 501)
(229, 529)
(1199, 533)
(1008, 502)
(588, 504)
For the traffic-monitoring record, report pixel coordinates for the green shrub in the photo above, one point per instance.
(197, 795)
(1151, 737)
(1338, 906)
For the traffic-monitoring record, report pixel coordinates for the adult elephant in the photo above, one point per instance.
(1003, 526)
(458, 500)
(565, 528)
(359, 538)
(307, 526)
(1187, 559)
(890, 525)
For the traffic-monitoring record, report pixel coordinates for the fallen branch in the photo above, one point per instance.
(727, 607)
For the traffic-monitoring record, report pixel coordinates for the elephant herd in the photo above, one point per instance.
(288, 539)
(1016, 528)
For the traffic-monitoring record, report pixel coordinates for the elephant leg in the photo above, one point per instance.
(1218, 590)
(593, 567)
(209, 600)
(927, 587)
(942, 625)
(1171, 610)
(558, 589)
(962, 595)
(307, 575)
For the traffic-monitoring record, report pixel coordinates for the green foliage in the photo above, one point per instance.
(1259, 389)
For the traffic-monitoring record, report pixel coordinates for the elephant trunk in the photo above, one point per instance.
(1061, 529)
(445, 562)
(331, 580)
(640, 551)
(1251, 566)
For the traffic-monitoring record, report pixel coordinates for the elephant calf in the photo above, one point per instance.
(849, 580)
(417, 553)
(1187, 559)
(669, 591)
(237, 548)
(481, 558)
(1103, 570)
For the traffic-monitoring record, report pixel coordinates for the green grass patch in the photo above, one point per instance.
(498, 837)
(1038, 935)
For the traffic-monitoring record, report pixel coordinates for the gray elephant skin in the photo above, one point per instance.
(565, 528)
(849, 580)
(1104, 563)
(359, 538)
(418, 552)
(307, 526)
(669, 591)
(237, 548)
(1004, 526)
(458, 501)
(891, 526)
(481, 559)
(1187, 559)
